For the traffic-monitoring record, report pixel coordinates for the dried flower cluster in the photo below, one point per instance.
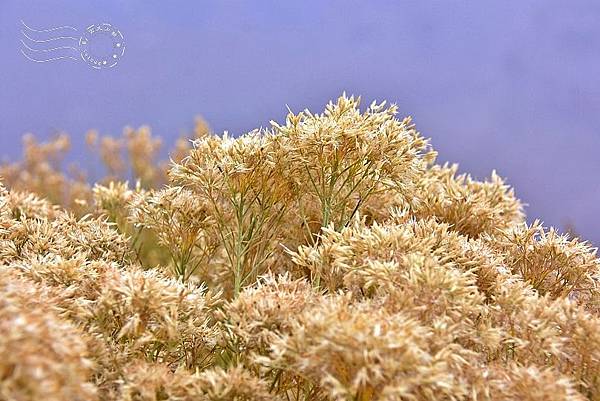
(133, 156)
(326, 258)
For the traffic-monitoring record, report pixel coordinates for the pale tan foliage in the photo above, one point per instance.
(88, 237)
(132, 156)
(265, 310)
(325, 258)
(358, 351)
(329, 164)
(146, 382)
(43, 356)
(41, 172)
(530, 383)
(470, 206)
(340, 158)
(182, 224)
(242, 181)
(28, 205)
(552, 263)
(139, 313)
(113, 199)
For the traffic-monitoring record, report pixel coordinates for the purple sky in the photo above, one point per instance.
(511, 86)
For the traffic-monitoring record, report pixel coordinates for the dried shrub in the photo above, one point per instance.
(43, 355)
(325, 258)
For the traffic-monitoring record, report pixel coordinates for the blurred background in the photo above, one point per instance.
(495, 85)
